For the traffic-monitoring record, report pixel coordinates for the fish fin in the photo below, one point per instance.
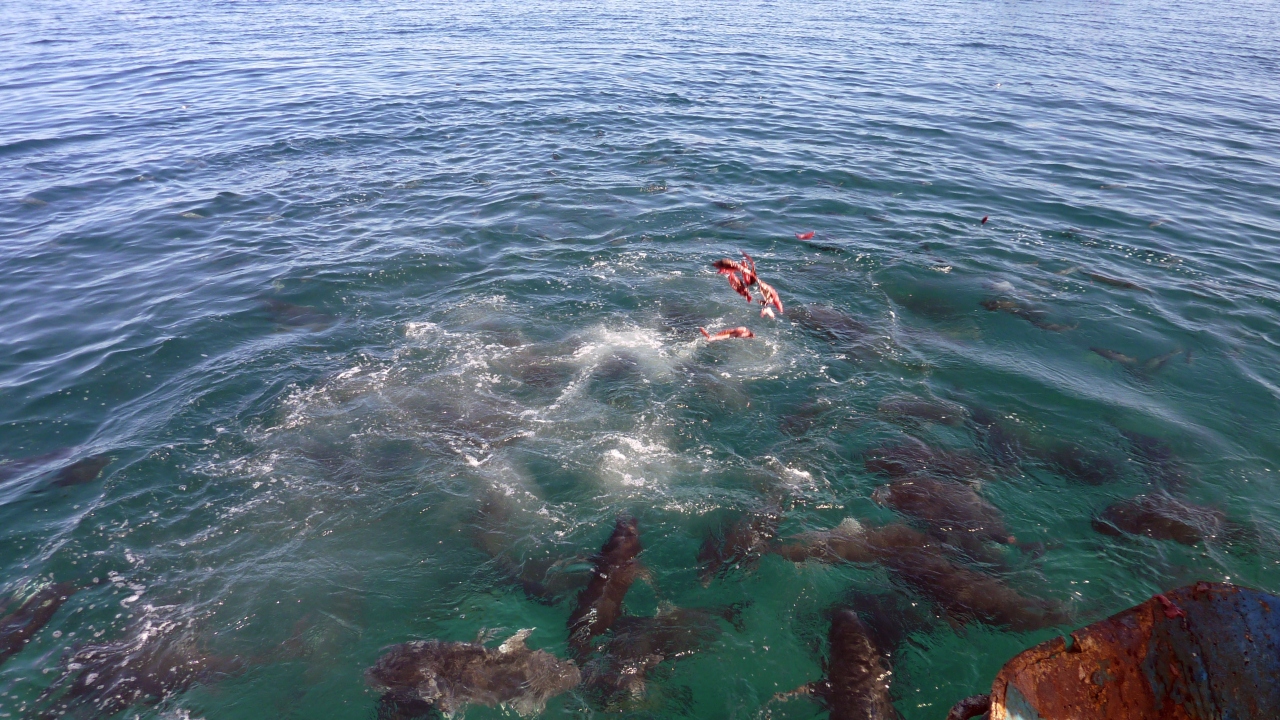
(806, 690)
(1159, 361)
(515, 642)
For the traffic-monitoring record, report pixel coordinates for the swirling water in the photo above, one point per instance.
(321, 278)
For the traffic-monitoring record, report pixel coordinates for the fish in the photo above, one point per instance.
(545, 578)
(742, 275)
(946, 507)
(768, 296)
(1157, 460)
(638, 645)
(738, 332)
(1149, 365)
(1162, 517)
(905, 407)
(1034, 316)
(914, 457)
(1114, 356)
(740, 546)
(615, 568)
(845, 332)
(856, 686)
(157, 657)
(1115, 282)
(1007, 445)
(448, 676)
(910, 556)
(805, 235)
(82, 471)
(1076, 462)
(18, 627)
(12, 468)
(301, 316)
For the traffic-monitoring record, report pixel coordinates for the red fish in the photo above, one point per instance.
(738, 332)
(741, 275)
(768, 296)
(739, 285)
(748, 269)
(805, 235)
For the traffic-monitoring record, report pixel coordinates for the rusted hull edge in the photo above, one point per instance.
(1209, 650)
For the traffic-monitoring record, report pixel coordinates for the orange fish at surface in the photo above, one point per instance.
(738, 332)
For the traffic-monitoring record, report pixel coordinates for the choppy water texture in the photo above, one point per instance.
(366, 307)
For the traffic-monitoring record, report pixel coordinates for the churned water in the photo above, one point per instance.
(369, 307)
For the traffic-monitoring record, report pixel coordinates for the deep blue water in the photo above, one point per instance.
(318, 279)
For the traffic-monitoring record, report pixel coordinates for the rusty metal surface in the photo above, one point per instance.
(1209, 650)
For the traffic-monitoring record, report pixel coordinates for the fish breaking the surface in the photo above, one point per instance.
(856, 686)
(615, 568)
(448, 676)
(727, 334)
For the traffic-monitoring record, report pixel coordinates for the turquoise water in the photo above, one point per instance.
(319, 279)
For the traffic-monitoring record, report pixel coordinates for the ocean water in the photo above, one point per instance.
(365, 305)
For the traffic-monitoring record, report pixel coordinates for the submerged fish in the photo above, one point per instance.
(911, 557)
(947, 507)
(740, 546)
(1115, 282)
(904, 407)
(156, 658)
(856, 686)
(845, 332)
(18, 627)
(914, 457)
(1034, 316)
(1149, 365)
(448, 676)
(82, 471)
(1157, 460)
(600, 602)
(1076, 462)
(291, 315)
(639, 644)
(1162, 517)
(544, 578)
